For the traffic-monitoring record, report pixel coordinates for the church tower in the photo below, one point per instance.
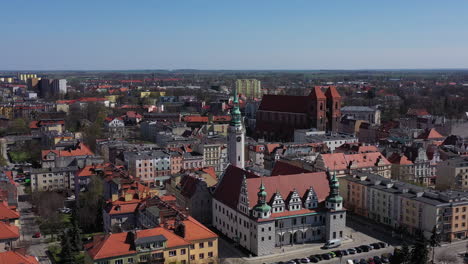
(333, 109)
(261, 209)
(236, 135)
(336, 215)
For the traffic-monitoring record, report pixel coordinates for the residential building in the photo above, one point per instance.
(249, 88)
(59, 86)
(153, 167)
(369, 114)
(343, 164)
(452, 174)
(263, 213)
(214, 151)
(331, 139)
(192, 160)
(407, 207)
(192, 190)
(279, 115)
(78, 155)
(9, 234)
(53, 178)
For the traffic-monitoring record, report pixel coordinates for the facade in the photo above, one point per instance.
(332, 140)
(59, 86)
(279, 115)
(452, 174)
(263, 213)
(214, 151)
(403, 206)
(249, 88)
(48, 179)
(192, 160)
(153, 167)
(369, 114)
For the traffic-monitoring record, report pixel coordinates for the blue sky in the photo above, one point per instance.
(260, 34)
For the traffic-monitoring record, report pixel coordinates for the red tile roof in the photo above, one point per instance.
(6, 213)
(431, 134)
(8, 232)
(114, 245)
(91, 170)
(80, 150)
(205, 119)
(341, 161)
(122, 207)
(332, 92)
(228, 189)
(417, 112)
(196, 231)
(317, 93)
(285, 168)
(12, 257)
(396, 158)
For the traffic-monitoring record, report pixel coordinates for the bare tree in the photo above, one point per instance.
(447, 258)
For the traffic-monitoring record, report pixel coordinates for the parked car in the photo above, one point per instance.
(338, 253)
(383, 244)
(363, 261)
(358, 250)
(314, 259)
(351, 251)
(326, 256)
(37, 235)
(333, 243)
(318, 256)
(366, 248)
(305, 260)
(375, 245)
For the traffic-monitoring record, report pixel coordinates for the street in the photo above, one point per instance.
(37, 246)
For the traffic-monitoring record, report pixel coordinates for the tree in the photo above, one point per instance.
(75, 234)
(420, 252)
(66, 254)
(447, 259)
(434, 241)
(401, 256)
(89, 210)
(19, 126)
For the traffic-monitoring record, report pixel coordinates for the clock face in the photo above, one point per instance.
(239, 139)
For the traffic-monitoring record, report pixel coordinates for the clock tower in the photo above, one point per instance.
(236, 135)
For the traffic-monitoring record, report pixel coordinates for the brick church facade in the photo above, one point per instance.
(279, 115)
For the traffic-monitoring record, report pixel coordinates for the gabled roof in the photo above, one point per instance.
(8, 232)
(285, 168)
(317, 93)
(431, 134)
(396, 158)
(121, 244)
(7, 213)
(80, 150)
(196, 231)
(228, 190)
(417, 112)
(341, 161)
(12, 257)
(284, 103)
(332, 92)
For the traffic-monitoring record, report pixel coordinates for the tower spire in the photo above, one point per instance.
(236, 113)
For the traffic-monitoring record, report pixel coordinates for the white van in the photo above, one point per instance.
(333, 243)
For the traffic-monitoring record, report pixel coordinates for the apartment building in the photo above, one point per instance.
(153, 167)
(55, 178)
(452, 174)
(402, 205)
(344, 164)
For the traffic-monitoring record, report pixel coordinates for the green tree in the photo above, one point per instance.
(420, 252)
(19, 126)
(90, 204)
(434, 241)
(401, 256)
(75, 234)
(66, 254)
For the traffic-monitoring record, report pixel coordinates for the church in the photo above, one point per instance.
(262, 214)
(279, 115)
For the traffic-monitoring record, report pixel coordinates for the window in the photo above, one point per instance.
(183, 261)
(119, 261)
(172, 253)
(210, 243)
(210, 254)
(201, 256)
(192, 257)
(130, 260)
(341, 233)
(183, 251)
(202, 245)
(334, 234)
(192, 246)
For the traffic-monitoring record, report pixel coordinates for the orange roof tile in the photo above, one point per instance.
(8, 231)
(196, 231)
(332, 92)
(80, 150)
(12, 257)
(7, 213)
(430, 134)
(396, 158)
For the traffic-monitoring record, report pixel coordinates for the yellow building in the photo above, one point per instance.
(112, 98)
(193, 243)
(152, 94)
(7, 111)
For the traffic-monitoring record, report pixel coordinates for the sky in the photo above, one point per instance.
(222, 34)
